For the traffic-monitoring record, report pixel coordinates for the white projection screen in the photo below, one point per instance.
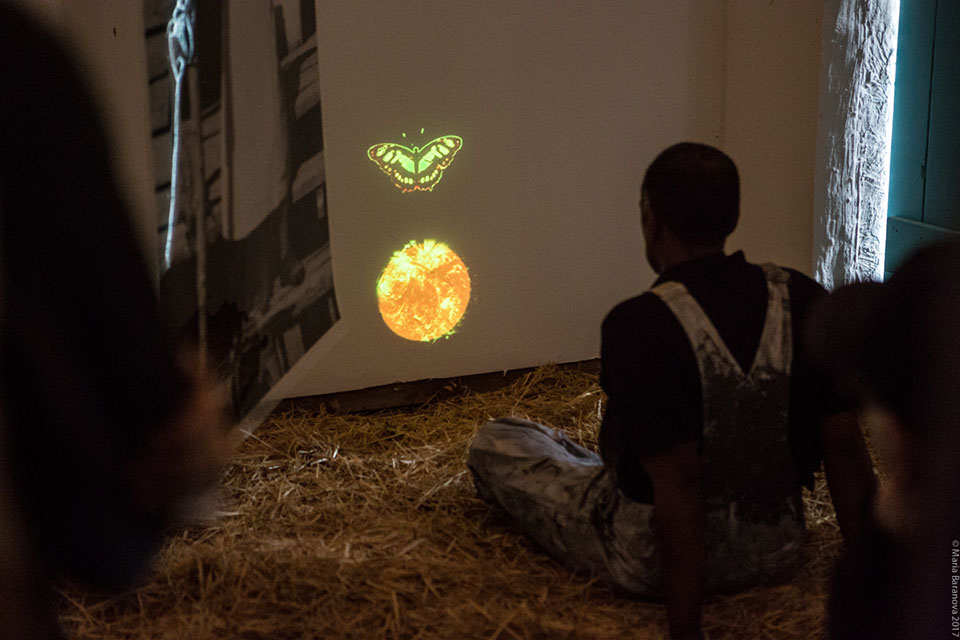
(560, 107)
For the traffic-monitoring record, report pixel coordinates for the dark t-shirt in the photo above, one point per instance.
(87, 370)
(650, 373)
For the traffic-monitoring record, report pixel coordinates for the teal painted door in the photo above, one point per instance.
(924, 197)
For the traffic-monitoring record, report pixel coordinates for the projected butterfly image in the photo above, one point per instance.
(416, 168)
(423, 291)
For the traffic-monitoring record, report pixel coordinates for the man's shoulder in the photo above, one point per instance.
(799, 278)
(641, 317)
(632, 309)
(804, 290)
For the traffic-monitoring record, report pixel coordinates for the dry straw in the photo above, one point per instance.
(367, 526)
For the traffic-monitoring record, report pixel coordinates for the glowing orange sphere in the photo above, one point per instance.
(423, 291)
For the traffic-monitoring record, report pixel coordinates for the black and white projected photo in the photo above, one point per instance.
(243, 238)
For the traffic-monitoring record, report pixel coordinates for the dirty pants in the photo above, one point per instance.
(563, 496)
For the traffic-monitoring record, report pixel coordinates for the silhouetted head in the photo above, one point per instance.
(689, 203)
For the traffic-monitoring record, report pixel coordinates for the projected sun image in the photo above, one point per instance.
(417, 168)
(423, 291)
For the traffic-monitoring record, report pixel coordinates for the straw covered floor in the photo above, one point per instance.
(367, 526)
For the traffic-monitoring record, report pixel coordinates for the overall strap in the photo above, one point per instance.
(775, 350)
(695, 322)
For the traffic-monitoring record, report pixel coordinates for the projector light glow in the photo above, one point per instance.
(424, 291)
(416, 169)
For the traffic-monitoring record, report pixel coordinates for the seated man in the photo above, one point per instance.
(714, 420)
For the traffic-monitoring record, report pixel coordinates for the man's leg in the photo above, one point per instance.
(561, 495)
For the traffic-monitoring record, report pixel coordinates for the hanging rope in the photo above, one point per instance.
(180, 42)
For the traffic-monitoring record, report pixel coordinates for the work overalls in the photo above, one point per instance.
(565, 498)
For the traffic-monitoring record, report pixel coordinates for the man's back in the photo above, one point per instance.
(652, 378)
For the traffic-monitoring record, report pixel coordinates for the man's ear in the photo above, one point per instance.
(653, 227)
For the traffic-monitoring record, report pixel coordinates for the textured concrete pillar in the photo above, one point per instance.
(853, 140)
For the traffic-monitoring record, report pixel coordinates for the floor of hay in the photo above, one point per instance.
(367, 526)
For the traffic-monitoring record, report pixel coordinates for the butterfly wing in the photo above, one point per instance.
(398, 162)
(435, 156)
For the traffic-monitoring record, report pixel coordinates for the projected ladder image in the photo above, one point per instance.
(424, 291)
(416, 168)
